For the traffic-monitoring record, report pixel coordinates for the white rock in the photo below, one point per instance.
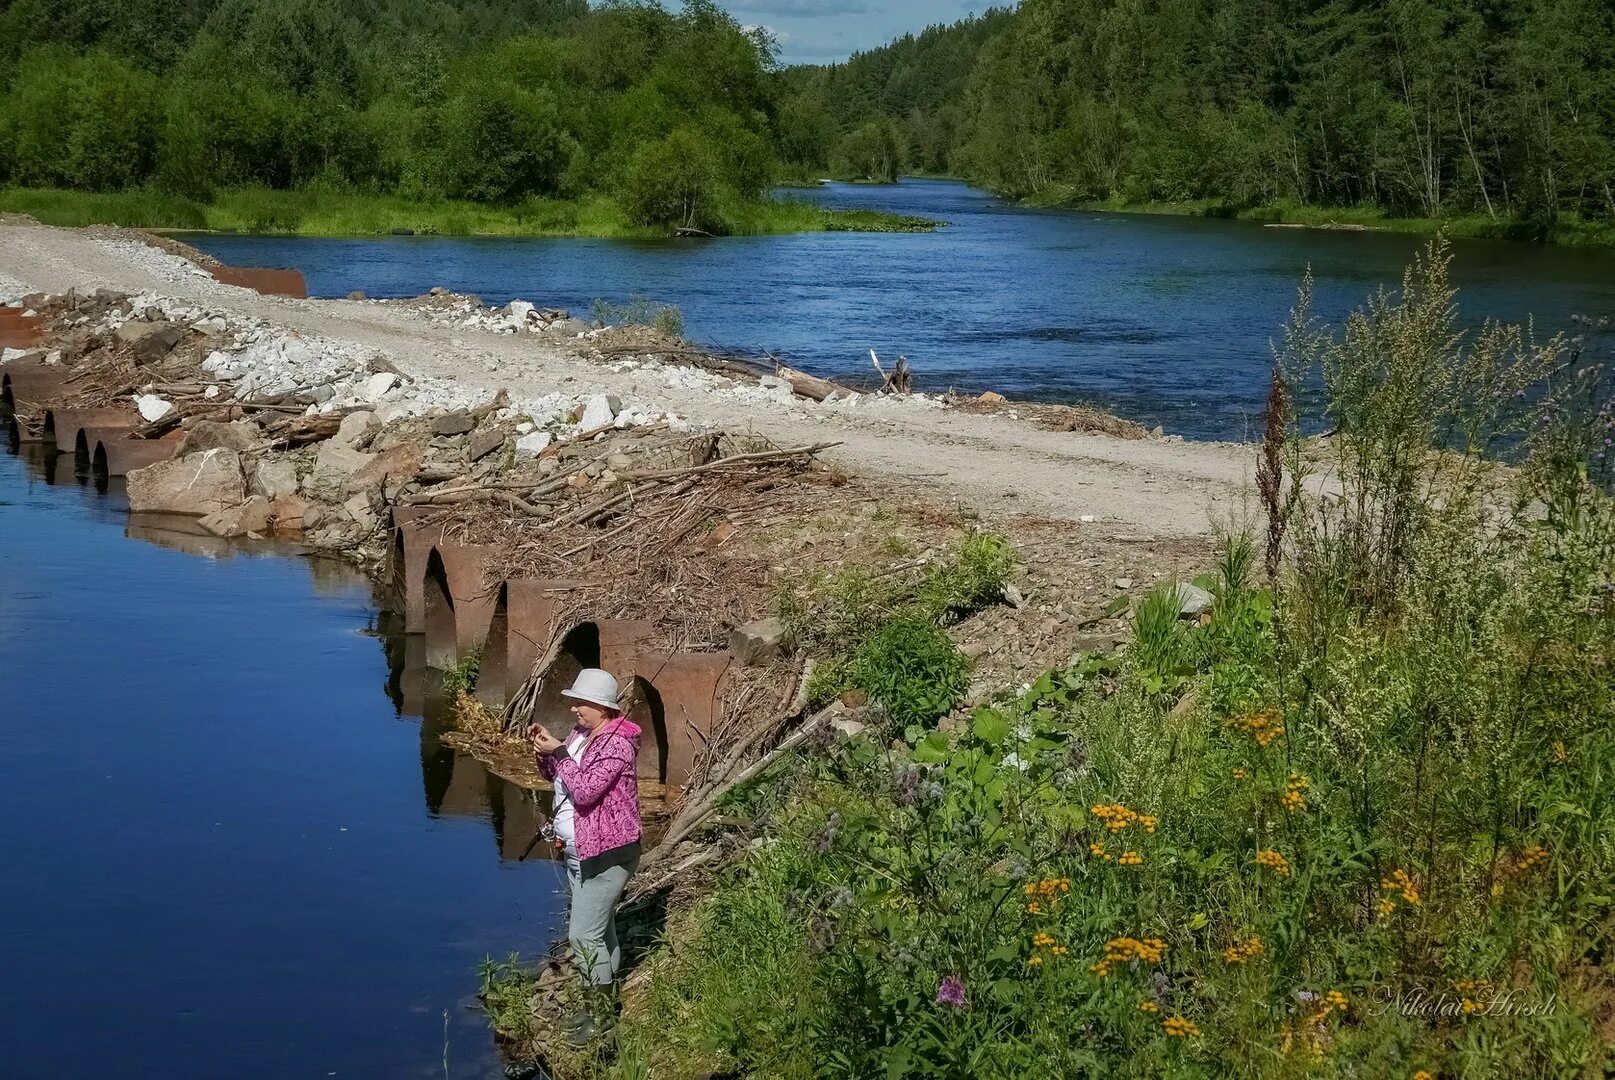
(153, 408)
(8, 355)
(520, 311)
(524, 427)
(597, 413)
(532, 444)
(377, 385)
(213, 324)
(211, 391)
(1088, 519)
(355, 425)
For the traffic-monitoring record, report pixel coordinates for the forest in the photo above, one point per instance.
(1498, 113)
(670, 118)
(1502, 110)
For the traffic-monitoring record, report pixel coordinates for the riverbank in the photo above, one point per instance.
(262, 211)
(660, 533)
(980, 824)
(1567, 231)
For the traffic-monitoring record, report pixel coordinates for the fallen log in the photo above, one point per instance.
(809, 386)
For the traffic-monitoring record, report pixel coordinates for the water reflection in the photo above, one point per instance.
(454, 784)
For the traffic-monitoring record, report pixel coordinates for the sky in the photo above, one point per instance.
(825, 31)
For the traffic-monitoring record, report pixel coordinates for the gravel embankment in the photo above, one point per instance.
(996, 464)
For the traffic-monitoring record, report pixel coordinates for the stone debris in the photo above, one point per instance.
(153, 408)
(1193, 601)
(757, 643)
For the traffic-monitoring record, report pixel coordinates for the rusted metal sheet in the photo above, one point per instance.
(525, 620)
(690, 686)
(413, 541)
(22, 385)
(62, 426)
(456, 604)
(22, 332)
(269, 282)
(116, 455)
(627, 645)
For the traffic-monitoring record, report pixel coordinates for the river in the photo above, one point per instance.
(1166, 320)
(231, 851)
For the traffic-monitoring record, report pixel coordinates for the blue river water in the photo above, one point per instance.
(1167, 320)
(230, 851)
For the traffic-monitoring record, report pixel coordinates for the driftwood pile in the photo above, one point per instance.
(641, 518)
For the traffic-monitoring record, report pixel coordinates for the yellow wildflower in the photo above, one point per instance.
(1179, 1028)
(1397, 882)
(1424, 1074)
(1130, 858)
(1243, 951)
(1241, 774)
(1264, 726)
(1148, 1006)
(1273, 861)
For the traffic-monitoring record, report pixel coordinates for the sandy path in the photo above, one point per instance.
(1152, 487)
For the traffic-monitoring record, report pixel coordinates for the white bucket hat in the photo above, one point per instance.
(596, 687)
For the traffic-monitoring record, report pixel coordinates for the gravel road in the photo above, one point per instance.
(1144, 488)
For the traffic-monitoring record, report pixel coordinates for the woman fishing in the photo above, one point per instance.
(597, 818)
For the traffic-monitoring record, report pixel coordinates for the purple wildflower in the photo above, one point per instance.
(952, 992)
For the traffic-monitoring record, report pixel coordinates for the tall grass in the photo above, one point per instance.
(316, 212)
(1360, 823)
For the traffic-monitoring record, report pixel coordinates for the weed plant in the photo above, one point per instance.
(1359, 823)
(641, 311)
(881, 632)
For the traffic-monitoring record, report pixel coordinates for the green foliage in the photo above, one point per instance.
(673, 181)
(1499, 114)
(881, 633)
(1376, 837)
(641, 311)
(912, 669)
(462, 677)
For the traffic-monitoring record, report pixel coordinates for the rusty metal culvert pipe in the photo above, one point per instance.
(457, 606)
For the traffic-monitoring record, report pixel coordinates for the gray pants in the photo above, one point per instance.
(593, 929)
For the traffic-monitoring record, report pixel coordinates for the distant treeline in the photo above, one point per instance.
(492, 101)
(1427, 108)
(1424, 108)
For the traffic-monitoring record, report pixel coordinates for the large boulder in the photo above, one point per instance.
(252, 516)
(149, 341)
(598, 412)
(197, 484)
(288, 514)
(333, 468)
(275, 478)
(389, 471)
(356, 428)
(212, 435)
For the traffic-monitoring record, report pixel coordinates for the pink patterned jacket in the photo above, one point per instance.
(603, 786)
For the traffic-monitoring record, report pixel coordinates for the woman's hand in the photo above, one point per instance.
(543, 741)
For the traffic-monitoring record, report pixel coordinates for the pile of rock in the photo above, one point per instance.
(461, 311)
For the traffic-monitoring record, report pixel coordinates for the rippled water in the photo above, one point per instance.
(1163, 319)
(228, 853)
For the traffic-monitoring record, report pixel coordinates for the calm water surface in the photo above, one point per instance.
(227, 854)
(1166, 320)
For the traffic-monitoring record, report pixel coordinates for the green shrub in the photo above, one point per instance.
(913, 669)
(673, 181)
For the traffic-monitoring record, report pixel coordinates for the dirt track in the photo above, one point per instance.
(1142, 488)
